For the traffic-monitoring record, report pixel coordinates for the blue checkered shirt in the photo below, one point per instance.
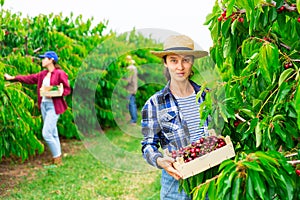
(163, 124)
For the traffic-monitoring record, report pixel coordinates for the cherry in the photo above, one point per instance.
(192, 150)
(241, 19)
(236, 123)
(193, 155)
(282, 8)
(286, 66)
(298, 20)
(224, 13)
(201, 140)
(220, 18)
(298, 172)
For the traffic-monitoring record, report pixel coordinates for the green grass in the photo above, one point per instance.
(90, 175)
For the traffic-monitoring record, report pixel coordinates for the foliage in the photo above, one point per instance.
(256, 50)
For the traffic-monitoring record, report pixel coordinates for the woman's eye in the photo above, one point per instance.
(187, 60)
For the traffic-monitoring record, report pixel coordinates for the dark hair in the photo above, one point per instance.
(57, 66)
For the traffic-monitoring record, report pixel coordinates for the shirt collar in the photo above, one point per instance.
(166, 91)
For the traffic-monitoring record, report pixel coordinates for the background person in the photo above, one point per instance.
(170, 118)
(131, 88)
(51, 107)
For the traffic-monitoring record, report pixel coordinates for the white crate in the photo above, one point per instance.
(206, 161)
(46, 91)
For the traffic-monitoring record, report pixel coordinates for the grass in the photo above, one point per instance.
(89, 174)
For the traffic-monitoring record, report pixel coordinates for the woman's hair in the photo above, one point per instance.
(167, 73)
(57, 66)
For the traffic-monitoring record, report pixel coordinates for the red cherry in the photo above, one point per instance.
(222, 143)
(224, 13)
(201, 140)
(286, 66)
(192, 150)
(193, 155)
(282, 8)
(220, 140)
(298, 172)
(241, 19)
(236, 123)
(220, 18)
(298, 20)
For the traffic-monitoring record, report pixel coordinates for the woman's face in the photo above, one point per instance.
(46, 62)
(180, 66)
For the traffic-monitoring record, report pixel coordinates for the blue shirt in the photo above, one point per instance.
(163, 124)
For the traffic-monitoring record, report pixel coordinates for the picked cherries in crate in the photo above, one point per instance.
(199, 148)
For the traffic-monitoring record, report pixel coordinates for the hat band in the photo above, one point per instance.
(178, 48)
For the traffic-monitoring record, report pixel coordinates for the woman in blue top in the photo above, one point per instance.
(170, 118)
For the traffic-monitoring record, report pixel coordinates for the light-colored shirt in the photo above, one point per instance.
(132, 80)
(46, 82)
(190, 111)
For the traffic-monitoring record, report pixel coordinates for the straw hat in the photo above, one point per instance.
(130, 60)
(179, 44)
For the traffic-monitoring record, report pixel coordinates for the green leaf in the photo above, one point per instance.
(265, 156)
(252, 166)
(233, 27)
(272, 14)
(258, 134)
(258, 184)
(284, 89)
(279, 131)
(264, 65)
(248, 112)
(298, 5)
(249, 188)
(223, 111)
(284, 75)
(212, 191)
(225, 28)
(297, 104)
(236, 188)
(227, 47)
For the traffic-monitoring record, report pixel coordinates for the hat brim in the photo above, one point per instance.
(41, 56)
(196, 54)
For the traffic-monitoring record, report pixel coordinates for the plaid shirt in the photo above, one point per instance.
(163, 124)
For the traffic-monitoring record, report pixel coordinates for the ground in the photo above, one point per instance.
(12, 170)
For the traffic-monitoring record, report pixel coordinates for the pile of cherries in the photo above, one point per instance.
(197, 149)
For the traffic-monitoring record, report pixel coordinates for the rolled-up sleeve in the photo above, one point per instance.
(150, 131)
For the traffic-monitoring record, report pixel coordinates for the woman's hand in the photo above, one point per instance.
(166, 163)
(9, 77)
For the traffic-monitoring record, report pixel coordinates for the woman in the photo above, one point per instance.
(170, 118)
(51, 107)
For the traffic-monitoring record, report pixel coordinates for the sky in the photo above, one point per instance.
(183, 17)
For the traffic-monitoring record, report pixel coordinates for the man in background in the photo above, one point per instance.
(132, 87)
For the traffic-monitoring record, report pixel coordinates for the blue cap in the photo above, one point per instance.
(50, 54)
